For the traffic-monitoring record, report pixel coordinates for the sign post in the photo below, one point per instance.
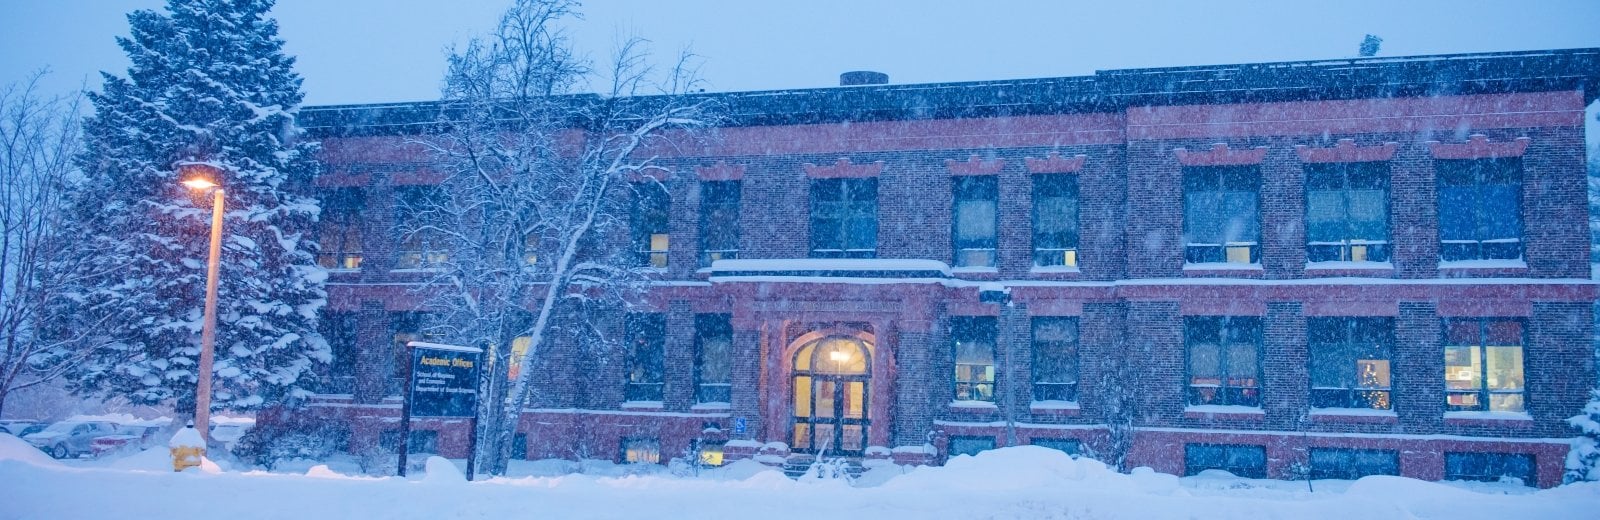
(441, 382)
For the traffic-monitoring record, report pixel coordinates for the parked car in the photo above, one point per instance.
(69, 438)
(20, 427)
(126, 438)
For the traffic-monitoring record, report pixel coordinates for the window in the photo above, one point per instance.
(641, 451)
(651, 205)
(1068, 446)
(1055, 359)
(713, 358)
(1055, 220)
(719, 221)
(339, 229)
(975, 218)
(1224, 360)
(967, 445)
(1350, 362)
(1240, 460)
(1222, 219)
(974, 353)
(1347, 212)
(420, 441)
(1330, 463)
(1483, 365)
(844, 218)
(406, 327)
(1480, 209)
(519, 446)
(339, 328)
(711, 453)
(1489, 467)
(646, 335)
(422, 244)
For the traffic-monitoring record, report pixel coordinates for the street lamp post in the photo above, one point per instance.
(202, 177)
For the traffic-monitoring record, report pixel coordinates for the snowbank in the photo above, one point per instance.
(12, 448)
(1020, 482)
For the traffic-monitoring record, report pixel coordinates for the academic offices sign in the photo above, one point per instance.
(444, 381)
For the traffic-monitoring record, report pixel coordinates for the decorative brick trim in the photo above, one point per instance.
(1346, 151)
(722, 171)
(1054, 163)
(1221, 155)
(1479, 147)
(843, 169)
(974, 166)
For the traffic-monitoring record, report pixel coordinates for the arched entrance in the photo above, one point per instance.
(830, 392)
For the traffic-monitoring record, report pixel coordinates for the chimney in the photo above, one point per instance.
(863, 77)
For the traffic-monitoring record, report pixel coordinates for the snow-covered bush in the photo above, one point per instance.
(267, 445)
(1583, 462)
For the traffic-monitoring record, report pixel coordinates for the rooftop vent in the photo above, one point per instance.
(863, 77)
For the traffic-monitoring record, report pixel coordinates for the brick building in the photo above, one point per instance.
(1355, 266)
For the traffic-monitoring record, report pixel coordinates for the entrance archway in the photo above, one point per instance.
(830, 388)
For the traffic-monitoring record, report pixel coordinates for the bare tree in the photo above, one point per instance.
(535, 178)
(39, 137)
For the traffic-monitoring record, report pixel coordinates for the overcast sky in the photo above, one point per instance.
(372, 51)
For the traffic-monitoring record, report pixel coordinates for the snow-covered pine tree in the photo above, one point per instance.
(524, 206)
(1583, 461)
(209, 82)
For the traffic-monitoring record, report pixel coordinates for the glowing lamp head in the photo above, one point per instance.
(199, 176)
(199, 183)
(839, 356)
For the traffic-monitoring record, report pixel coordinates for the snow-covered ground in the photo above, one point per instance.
(1022, 482)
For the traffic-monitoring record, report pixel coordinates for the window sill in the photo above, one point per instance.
(404, 270)
(973, 406)
(1066, 408)
(1054, 270)
(1223, 269)
(711, 407)
(643, 405)
(1223, 411)
(1353, 415)
(1481, 417)
(1349, 268)
(1482, 268)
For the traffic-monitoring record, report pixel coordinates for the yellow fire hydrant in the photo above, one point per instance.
(188, 447)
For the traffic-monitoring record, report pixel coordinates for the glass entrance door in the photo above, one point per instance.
(830, 397)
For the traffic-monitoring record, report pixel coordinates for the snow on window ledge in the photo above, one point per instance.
(1488, 416)
(1230, 409)
(1221, 266)
(973, 405)
(1054, 269)
(643, 405)
(1350, 266)
(1353, 412)
(975, 270)
(711, 406)
(419, 270)
(1483, 264)
(1053, 405)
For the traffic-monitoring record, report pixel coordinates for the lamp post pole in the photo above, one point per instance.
(208, 328)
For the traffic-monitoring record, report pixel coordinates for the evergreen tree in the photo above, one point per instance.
(209, 83)
(1369, 45)
(1583, 461)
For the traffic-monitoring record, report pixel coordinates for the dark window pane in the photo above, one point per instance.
(719, 220)
(973, 342)
(646, 337)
